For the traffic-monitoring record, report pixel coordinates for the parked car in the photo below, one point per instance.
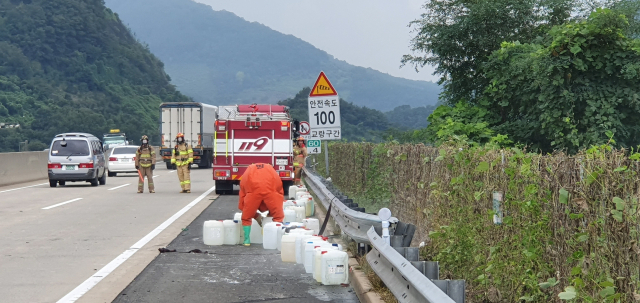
(76, 157)
(122, 160)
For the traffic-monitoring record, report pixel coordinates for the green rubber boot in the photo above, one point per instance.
(247, 234)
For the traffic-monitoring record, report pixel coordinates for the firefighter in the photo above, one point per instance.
(299, 156)
(260, 189)
(183, 158)
(145, 164)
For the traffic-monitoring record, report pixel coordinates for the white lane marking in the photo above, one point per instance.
(8, 190)
(121, 186)
(63, 203)
(89, 283)
(173, 171)
(156, 176)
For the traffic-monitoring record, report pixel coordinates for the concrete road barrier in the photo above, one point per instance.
(23, 167)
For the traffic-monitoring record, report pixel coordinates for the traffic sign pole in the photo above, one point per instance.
(326, 156)
(324, 114)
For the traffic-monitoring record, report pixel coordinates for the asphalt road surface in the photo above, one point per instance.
(77, 241)
(226, 273)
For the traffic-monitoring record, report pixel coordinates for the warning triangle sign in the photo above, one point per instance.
(323, 87)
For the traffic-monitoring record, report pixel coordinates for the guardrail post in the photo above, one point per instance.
(396, 241)
(432, 270)
(457, 290)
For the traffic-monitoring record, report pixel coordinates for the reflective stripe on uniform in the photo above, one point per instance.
(173, 161)
(145, 156)
(187, 182)
(190, 160)
(145, 165)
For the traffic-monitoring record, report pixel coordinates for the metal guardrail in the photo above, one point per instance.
(353, 223)
(406, 282)
(410, 281)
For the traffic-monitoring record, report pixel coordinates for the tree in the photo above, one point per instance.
(461, 122)
(570, 91)
(458, 36)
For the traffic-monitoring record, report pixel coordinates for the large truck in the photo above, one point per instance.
(247, 134)
(114, 138)
(196, 121)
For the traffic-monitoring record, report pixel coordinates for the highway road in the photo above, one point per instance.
(230, 274)
(77, 241)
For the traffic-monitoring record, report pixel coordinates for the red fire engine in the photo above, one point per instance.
(247, 134)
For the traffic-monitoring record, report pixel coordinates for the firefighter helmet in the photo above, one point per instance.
(144, 137)
(180, 135)
(300, 139)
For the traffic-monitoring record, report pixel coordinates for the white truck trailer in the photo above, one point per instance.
(196, 121)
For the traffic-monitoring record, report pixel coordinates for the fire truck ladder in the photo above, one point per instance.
(226, 147)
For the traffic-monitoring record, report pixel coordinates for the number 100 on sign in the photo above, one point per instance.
(324, 115)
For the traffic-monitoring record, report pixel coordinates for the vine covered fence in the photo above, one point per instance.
(569, 222)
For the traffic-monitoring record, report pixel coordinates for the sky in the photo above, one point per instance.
(367, 33)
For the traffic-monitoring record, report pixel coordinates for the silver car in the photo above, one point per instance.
(76, 157)
(122, 159)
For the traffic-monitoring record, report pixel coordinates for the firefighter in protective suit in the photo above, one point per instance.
(183, 158)
(299, 156)
(260, 189)
(145, 164)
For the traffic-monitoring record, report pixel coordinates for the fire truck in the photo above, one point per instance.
(247, 134)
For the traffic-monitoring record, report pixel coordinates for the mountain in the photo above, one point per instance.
(68, 65)
(219, 58)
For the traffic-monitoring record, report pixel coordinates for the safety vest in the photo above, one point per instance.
(145, 156)
(184, 155)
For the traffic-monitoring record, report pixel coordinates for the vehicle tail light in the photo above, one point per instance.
(55, 166)
(85, 165)
(221, 125)
(113, 159)
(284, 126)
(284, 173)
(199, 140)
(221, 173)
(134, 158)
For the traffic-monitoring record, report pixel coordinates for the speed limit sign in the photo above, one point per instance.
(324, 111)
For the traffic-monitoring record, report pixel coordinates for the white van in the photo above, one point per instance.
(76, 157)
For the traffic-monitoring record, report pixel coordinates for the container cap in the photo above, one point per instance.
(336, 245)
(324, 252)
(316, 247)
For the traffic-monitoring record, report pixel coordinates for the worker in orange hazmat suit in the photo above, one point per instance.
(260, 189)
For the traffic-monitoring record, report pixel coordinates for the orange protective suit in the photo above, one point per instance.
(261, 189)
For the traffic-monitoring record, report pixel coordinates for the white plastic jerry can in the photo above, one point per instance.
(335, 268)
(256, 232)
(289, 248)
(281, 232)
(312, 224)
(308, 205)
(213, 232)
(300, 247)
(270, 235)
(309, 254)
(300, 214)
(266, 220)
(317, 270)
(231, 232)
(292, 191)
(300, 193)
(288, 203)
(289, 214)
